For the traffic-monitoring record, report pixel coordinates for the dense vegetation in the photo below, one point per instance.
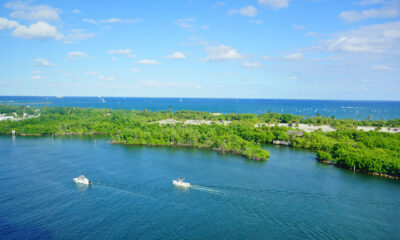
(372, 152)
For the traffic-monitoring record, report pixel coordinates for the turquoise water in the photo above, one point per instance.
(338, 108)
(289, 197)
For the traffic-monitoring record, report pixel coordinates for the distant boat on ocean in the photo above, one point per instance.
(180, 183)
(59, 96)
(82, 180)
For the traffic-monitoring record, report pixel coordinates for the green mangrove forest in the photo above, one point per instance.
(372, 152)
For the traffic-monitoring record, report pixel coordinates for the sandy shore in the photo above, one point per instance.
(301, 126)
(327, 128)
(304, 127)
(191, 122)
(383, 129)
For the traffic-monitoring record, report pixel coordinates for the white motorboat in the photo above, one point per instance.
(82, 180)
(181, 183)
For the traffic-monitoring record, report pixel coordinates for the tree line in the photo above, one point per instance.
(372, 152)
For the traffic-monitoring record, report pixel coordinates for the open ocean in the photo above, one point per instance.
(338, 108)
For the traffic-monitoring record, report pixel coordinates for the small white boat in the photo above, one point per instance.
(180, 183)
(82, 180)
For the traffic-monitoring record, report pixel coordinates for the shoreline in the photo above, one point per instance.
(359, 170)
(192, 146)
(217, 150)
(236, 133)
(328, 128)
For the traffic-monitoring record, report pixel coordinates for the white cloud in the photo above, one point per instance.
(378, 38)
(42, 62)
(135, 70)
(125, 52)
(23, 11)
(159, 84)
(275, 4)
(76, 55)
(293, 56)
(185, 22)
(292, 78)
(37, 77)
(118, 20)
(113, 59)
(299, 27)
(110, 20)
(121, 52)
(67, 74)
(7, 24)
(101, 77)
(147, 62)
(89, 20)
(251, 64)
(36, 72)
(381, 67)
(384, 12)
(221, 53)
(176, 55)
(248, 11)
(39, 30)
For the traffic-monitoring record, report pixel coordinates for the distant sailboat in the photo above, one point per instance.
(180, 100)
(59, 96)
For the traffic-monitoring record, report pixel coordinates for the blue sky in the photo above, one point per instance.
(292, 49)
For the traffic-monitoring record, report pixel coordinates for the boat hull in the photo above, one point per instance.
(80, 181)
(180, 184)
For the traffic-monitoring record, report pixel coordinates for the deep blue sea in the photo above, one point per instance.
(338, 108)
(291, 196)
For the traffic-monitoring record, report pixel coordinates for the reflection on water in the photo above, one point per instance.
(82, 187)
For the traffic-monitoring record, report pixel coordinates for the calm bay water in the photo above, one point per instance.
(290, 196)
(337, 108)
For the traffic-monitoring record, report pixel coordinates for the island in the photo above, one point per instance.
(366, 146)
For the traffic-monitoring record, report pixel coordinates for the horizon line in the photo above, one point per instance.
(305, 99)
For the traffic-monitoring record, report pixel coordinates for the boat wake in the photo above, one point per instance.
(205, 189)
(101, 185)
